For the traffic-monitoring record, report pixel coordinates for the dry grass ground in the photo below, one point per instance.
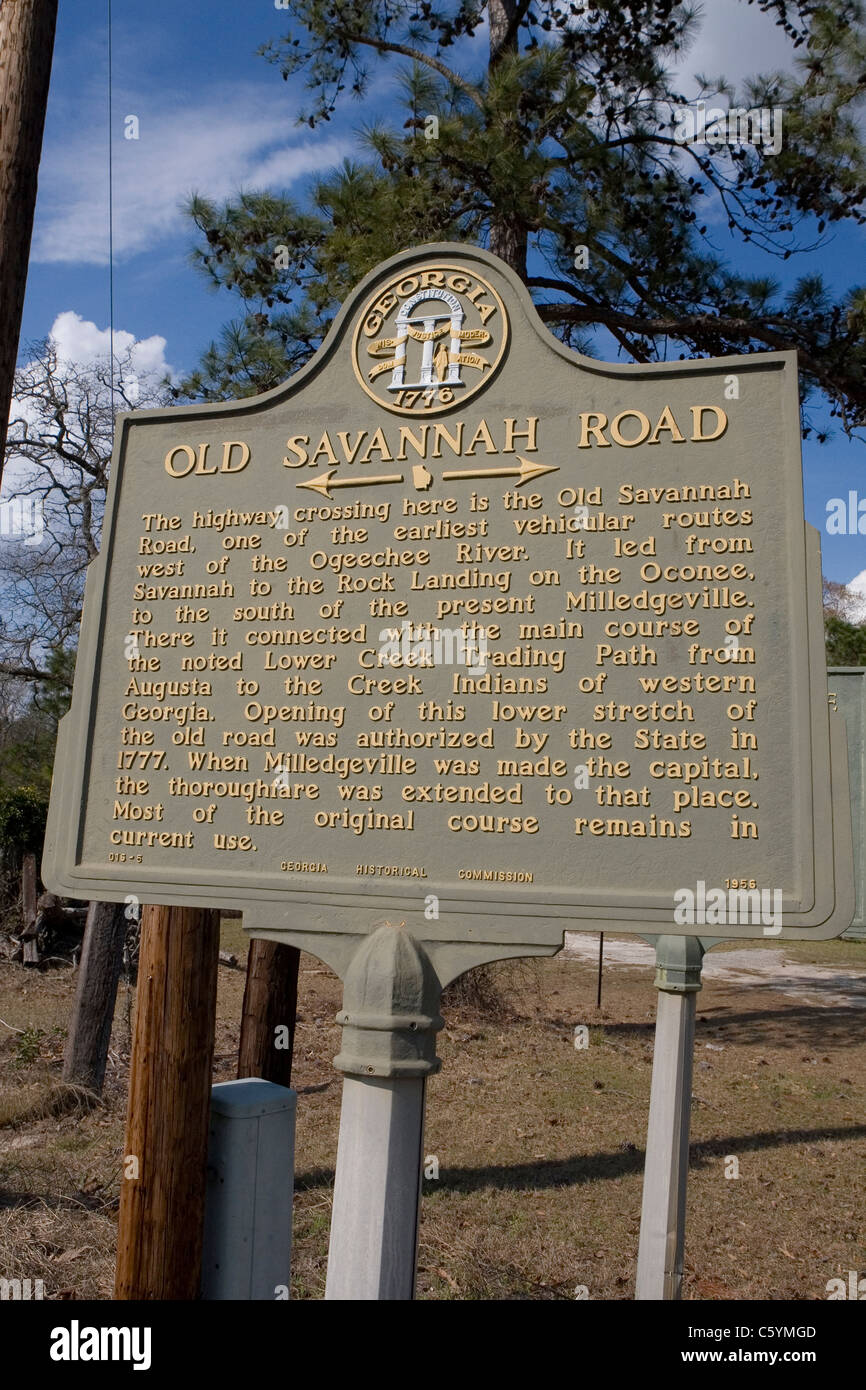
(539, 1146)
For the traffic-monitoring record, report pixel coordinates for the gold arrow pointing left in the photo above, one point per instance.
(326, 481)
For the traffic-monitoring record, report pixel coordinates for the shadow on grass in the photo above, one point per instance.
(805, 1026)
(583, 1168)
(313, 1179)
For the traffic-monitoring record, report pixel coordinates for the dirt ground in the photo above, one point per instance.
(538, 1145)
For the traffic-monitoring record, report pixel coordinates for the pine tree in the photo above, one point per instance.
(558, 149)
(845, 642)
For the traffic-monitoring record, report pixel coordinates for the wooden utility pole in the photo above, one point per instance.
(161, 1222)
(93, 1012)
(270, 1003)
(26, 47)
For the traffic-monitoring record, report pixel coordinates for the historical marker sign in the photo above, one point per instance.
(461, 626)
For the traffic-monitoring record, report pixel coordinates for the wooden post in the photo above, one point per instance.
(29, 908)
(26, 48)
(93, 1012)
(270, 1002)
(666, 1168)
(161, 1222)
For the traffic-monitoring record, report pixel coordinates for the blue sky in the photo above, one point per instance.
(214, 117)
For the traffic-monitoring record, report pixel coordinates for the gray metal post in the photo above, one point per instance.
(248, 1210)
(662, 1226)
(390, 1017)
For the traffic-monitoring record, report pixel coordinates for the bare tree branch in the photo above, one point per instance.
(418, 56)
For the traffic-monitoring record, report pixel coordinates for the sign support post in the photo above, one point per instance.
(390, 1018)
(666, 1168)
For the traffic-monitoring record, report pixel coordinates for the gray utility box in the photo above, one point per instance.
(250, 1185)
(847, 691)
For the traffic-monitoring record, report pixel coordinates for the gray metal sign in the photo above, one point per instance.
(460, 628)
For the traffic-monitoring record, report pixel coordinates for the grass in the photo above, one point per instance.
(826, 953)
(539, 1145)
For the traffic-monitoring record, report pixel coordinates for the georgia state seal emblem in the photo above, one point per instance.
(429, 339)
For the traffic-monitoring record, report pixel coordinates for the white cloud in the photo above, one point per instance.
(855, 608)
(81, 344)
(215, 148)
(79, 341)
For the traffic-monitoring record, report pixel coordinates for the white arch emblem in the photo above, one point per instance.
(427, 330)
